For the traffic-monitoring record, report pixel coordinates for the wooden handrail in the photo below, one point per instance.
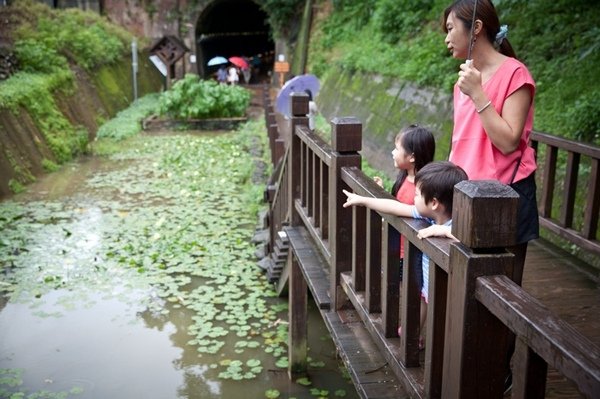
(552, 339)
(471, 299)
(563, 224)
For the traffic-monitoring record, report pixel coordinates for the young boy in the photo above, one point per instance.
(434, 192)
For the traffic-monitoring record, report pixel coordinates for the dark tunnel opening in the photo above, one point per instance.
(231, 28)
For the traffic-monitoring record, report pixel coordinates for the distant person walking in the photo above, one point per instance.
(232, 75)
(222, 75)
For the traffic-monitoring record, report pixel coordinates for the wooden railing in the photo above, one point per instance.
(577, 154)
(472, 304)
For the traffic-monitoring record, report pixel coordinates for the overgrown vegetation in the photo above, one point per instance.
(558, 40)
(193, 98)
(50, 40)
(47, 43)
(281, 12)
(128, 122)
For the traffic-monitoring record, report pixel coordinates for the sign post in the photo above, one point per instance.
(134, 67)
(282, 67)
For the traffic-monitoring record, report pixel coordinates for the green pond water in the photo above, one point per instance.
(133, 275)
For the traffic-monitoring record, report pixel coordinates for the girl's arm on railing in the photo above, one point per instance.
(384, 205)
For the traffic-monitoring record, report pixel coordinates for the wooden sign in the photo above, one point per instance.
(282, 67)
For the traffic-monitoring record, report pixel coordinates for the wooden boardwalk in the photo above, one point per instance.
(561, 283)
(568, 288)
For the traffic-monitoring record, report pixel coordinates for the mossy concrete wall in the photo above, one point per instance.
(97, 97)
(384, 105)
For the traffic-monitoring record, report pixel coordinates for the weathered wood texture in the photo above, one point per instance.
(581, 170)
(346, 258)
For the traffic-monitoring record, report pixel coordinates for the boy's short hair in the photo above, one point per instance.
(437, 180)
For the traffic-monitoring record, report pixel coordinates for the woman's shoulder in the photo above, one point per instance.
(512, 64)
(513, 68)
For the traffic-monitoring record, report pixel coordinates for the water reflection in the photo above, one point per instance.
(80, 317)
(99, 347)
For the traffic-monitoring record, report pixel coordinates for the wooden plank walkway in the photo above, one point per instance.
(571, 291)
(561, 283)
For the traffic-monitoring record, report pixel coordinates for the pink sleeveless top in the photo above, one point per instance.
(472, 149)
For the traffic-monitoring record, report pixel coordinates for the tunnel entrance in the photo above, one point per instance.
(230, 28)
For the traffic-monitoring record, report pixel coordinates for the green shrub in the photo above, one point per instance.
(35, 56)
(193, 98)
(15, 186)
(396, 19)
(584, 118)
(127, 123)
(49, 166)
(49, 38)
(280, 13)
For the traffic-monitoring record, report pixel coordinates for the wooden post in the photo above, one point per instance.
(358, 247)
(299, 110)
(390, 281)
(298, 316)
(411, 300)
(475, 348)
(346, 141)
(529, 380)
(373, 258)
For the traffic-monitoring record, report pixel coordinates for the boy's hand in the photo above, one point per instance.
(353, 199)
(436, 230)
(378, 180)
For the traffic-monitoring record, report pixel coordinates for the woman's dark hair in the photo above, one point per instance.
(486, 13)
(418, 141)
(307, 91)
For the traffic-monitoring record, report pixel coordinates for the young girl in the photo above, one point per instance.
(414, 148)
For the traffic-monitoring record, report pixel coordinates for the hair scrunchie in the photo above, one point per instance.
(501, 35)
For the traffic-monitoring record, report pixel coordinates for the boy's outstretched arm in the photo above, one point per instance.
(383, 205)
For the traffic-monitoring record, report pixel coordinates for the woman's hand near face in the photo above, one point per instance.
(469, 80)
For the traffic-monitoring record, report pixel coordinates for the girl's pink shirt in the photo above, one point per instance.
(406, 195)
(471, 147)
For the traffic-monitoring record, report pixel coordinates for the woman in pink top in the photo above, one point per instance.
(493, 112)
(493, 117)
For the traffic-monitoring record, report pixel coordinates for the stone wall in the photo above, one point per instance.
(384, 105)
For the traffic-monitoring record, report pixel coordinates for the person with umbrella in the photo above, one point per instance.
(222, 74)
(493, 114)
(232, 75)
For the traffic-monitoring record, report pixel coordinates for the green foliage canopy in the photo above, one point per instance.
(558, 40)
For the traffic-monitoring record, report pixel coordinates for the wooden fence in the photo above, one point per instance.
(348, 259)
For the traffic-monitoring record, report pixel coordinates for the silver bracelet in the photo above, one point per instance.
(484, 107)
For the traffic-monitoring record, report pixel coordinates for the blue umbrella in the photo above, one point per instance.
(218, 60)
(298, 84)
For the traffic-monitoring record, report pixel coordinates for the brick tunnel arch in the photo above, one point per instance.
(233, 28)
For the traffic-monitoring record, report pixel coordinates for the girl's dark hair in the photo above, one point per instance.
(486, 13)
(437, 180)
(418, 141)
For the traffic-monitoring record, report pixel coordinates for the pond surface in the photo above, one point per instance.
(133, 276)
